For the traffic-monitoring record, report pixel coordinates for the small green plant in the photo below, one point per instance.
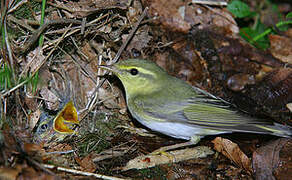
(151, 173)
(257, 34)
(7, 82)
(5, 77)
(26, 10)
(34, 82)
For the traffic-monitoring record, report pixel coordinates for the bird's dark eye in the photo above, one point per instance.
(134, 71)
(44, 126)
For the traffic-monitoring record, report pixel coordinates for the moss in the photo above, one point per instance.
(151, 173)
(94, 133)
(24, 12)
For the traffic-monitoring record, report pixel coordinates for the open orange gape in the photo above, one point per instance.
(66, 118)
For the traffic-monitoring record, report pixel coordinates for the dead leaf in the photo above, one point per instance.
(34, 61)
(140, 40)
(171, 14)
(266, 160)
(32, 148)
(232, 152)
(8, 173)
(281, 48)
(31, 174)
(52, 102)
(30, 102)
(109, 98)
(33, 118)
(60, 147)
(180, 16)
(270, 95)
(84, 8)
(87, 163)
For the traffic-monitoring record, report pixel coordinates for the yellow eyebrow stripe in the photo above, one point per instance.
(142, 70)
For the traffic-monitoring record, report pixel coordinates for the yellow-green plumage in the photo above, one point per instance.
(170, 106)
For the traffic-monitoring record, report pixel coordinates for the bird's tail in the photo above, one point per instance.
(277, 129)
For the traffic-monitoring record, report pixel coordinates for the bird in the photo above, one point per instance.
(55, 126)
(168, 105)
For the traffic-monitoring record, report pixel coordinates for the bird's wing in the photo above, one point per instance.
(222, 117)
(206, 111)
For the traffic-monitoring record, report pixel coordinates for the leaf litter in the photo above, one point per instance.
(195, 42)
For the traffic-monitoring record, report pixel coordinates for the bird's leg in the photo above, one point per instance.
(193, 141)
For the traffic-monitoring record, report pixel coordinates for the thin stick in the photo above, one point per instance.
(129, 37)
(73, 171)
(116, 58)
(33, 73)
(212, 2)
(42, 167)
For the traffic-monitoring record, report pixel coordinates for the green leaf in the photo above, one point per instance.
(260, 27)
(34, 82)
(289, 15)
(248, 34)
(239, 9)
(5, 77)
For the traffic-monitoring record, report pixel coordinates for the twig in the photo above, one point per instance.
(210, 2)
(14, 88)
(19, 22)
(36, 70)
(83, 69)
(73, 171)
(120, 51)
(37, 33)
(61, 152)
(42, 167)
(83, 25)
(17, 6)
(101, 81)
(10, 57)
(78, 28)
(123, 46)
(129, 37)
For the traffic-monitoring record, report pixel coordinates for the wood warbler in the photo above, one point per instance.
(172, 107)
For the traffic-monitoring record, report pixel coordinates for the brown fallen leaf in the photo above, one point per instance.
(33, 62)
(32, 174)
(33, 149)
(181, 16)
(87, 163)
(281, 48)
(232, 151)
(9, 173)
(273, 160)
(85, 8)
(171, 14)
(23, 172)
(52, 100)
(33, 118)
(140, 40)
